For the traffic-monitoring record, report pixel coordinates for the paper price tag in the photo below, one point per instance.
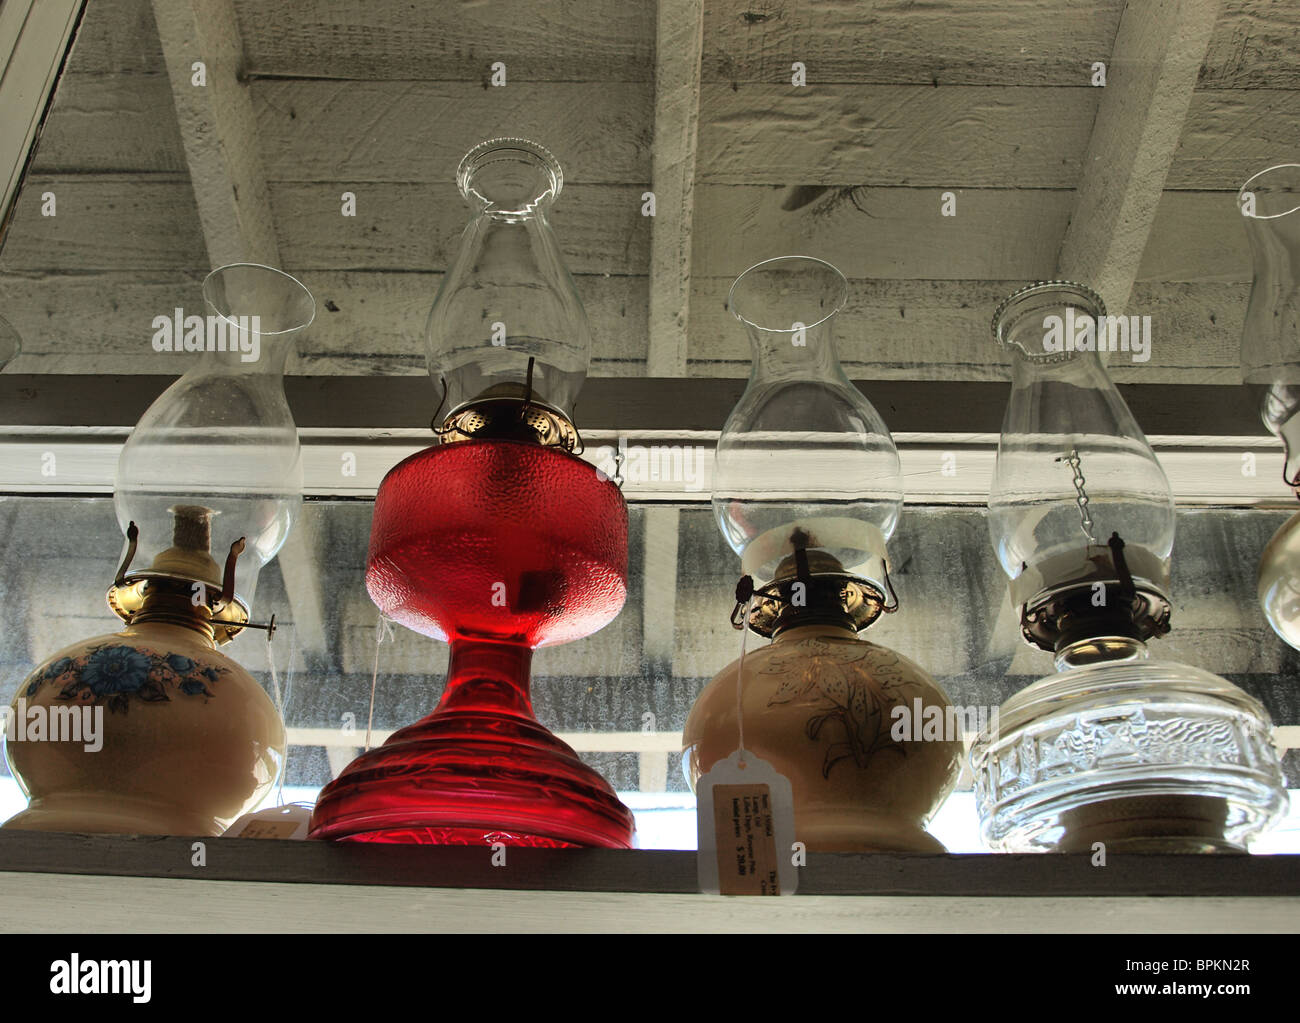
(745, 822)
(290, 821)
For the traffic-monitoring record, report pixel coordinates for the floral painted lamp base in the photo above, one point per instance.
(151, 731)
(823, 707)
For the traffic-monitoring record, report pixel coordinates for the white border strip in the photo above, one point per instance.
(659, 466)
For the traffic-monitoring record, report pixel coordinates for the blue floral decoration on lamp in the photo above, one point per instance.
(116, 669)
(114, 674)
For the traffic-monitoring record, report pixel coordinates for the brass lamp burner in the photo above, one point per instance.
(184, 584)
(811, 587)
(142, 596)
(508, 411)
(509, 416)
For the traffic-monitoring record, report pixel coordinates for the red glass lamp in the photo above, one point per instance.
(499, 540)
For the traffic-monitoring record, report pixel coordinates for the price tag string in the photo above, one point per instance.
(740, 681)
(281, 699)
(383, 631)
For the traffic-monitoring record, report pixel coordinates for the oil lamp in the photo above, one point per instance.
(175, 737)
(497, 539)
(1270, 357)
(808, 490)
(1138, 754)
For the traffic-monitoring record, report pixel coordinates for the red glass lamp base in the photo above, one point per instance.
(459, 778)
(500, 547)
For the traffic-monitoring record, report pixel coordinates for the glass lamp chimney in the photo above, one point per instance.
(1073, 469)
(507, 325)
(804, 461)
(221, 440)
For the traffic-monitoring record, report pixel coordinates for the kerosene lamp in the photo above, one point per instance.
(808, 490)
(498, 539)
(1270, 361)
(188, 740)
(1136, 754)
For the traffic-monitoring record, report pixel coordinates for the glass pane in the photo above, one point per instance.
(621, 696)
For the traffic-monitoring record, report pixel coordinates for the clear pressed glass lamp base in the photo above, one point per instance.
(1149, 756)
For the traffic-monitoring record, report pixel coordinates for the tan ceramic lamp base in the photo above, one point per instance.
(108, 813)
(189, 739)
(819, 705)
(847, 828)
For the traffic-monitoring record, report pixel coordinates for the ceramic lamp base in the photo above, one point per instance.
(106, 813)
(823, 706)
(149, 731)
(848, 829)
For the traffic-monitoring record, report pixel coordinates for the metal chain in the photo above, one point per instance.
(620, 456)
(1085, 517)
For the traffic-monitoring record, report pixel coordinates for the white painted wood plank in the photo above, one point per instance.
(1150, 77)
(949, 137)
(111, 123)
(13, 18)
(366, 324)
(61, 903)
(883, 232)
(964, 42)
(939, 330)
(560, 41)
(148, 222)
(417, 227)
(105, 222)
(350, 132)
(1254, 47)
(300, 563)
(371, 323)
(653, 772)
(418, 131)
(659, 581)
(997, 234)
(1231, 134)
(976, 42)
(957, 136)
(117, 35)
(218, 129)
(1200, 474)
(1197, 236)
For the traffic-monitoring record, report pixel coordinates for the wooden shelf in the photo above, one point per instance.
(640, 871)
(110, 884)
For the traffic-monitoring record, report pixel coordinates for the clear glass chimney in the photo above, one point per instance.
(219, 448)
(804, 460)
(1073, 467)
(507, 325)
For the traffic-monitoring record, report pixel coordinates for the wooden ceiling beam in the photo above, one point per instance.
(204, 55)
(679, 41)
(1150, 77)
(218, 128)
